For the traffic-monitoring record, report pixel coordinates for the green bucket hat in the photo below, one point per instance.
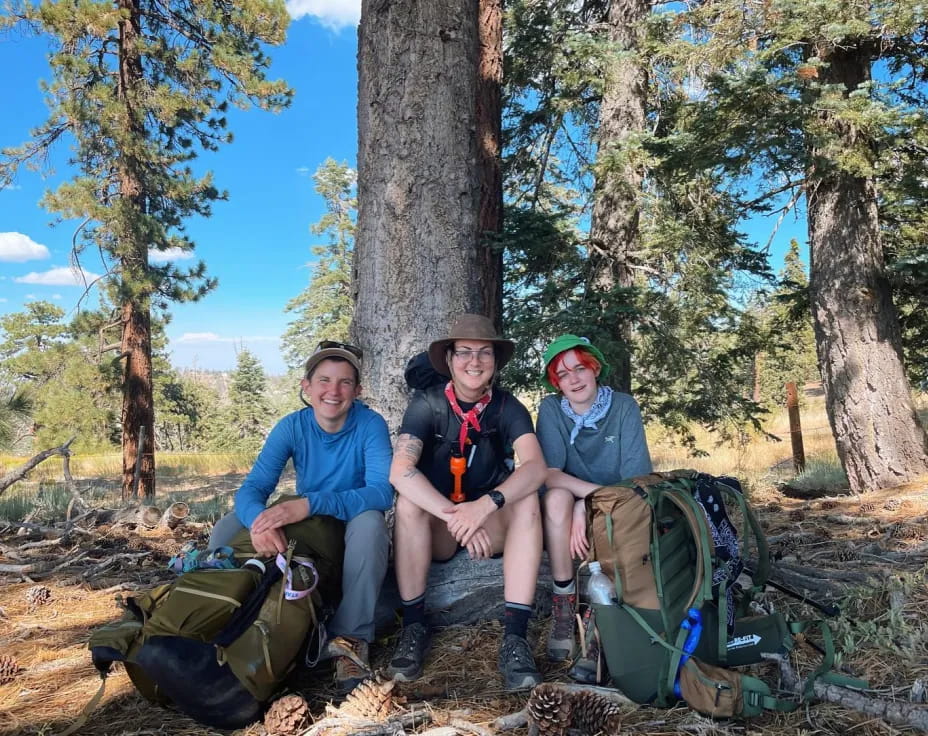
(567, 342)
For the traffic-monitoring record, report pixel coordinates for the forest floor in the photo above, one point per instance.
(866, 553)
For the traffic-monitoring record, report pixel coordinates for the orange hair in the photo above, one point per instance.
(584, 358)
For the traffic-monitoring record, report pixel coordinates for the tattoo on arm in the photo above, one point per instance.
(409, 447)
(411, 473)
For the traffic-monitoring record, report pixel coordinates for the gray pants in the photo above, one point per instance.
(367, 548)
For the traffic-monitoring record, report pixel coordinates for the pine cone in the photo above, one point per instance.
(906, 531)
(797, 515)
(549, 709)
(829, 504)
(773, 507)
(846, 553)
(867, 507)
(287, 716)
(38, 595)
(371, 699)
(8, 669)
(893, 504)
(594, 713)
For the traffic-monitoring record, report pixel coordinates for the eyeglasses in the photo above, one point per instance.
(328, 344)
(482, 355)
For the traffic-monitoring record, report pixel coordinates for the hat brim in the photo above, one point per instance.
(317, 357)
(504, 350)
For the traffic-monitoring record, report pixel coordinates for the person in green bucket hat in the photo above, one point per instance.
(591, 436)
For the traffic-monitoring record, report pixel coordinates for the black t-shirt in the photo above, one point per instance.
(503, 421)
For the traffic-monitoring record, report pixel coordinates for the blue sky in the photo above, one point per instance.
(258, 243)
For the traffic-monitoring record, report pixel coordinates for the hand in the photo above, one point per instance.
(480, 547)
(466, 518)
(288, 512)
(579, 544)
(269, 543)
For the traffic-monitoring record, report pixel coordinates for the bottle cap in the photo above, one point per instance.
(257, 564)
(595, 567)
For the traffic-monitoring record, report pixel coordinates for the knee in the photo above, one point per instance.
(526, 511)
(558, 504)
(408, 512)
(367, 530)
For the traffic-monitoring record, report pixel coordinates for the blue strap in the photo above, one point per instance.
(692, 624)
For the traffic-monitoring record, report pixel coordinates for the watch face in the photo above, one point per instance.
(498, 498)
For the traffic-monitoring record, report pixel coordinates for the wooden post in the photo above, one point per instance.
(795, 430)
(138, 462)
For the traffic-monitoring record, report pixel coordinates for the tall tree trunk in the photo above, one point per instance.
(489, 111)
(417, 255)
(137, 392)
(614, 234)
(879, 439)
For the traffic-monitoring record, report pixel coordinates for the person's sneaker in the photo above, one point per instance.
(517, 663)
(561, 639)
(589, 667)
(406, 664)
(351, 661)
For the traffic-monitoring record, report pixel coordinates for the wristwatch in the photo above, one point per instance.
(496, 497)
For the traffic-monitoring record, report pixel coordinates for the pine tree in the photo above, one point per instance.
(323, 309)
(783, 97)
(249, 412)
(141, 87)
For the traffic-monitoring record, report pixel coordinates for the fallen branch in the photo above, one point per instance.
(23, 470)
(895, 712)
(364, 727)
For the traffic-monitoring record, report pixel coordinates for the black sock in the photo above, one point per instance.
(414, 611)
(517, 616)
(564, 585)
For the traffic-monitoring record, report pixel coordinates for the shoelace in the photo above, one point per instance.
(517, 651)
(563, 617)
(409, 642)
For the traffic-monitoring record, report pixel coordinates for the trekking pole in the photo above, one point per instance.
(827, 608)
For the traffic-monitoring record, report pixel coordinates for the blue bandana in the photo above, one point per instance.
(599, 409)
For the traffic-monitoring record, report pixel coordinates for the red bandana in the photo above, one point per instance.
(469, 418)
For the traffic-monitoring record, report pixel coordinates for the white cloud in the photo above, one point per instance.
(333, 14)
(213, 337)
(56, 296)
(61, 276)
(171, 254)
(3, 299)
(31, 296)
(303, 171)
(19, 248)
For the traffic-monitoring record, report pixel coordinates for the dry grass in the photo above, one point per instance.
(883, 634)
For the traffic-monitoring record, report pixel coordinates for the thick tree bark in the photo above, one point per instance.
(879, 439)
(489, 111)
(417, 258)
(137, 390)
(614, 234)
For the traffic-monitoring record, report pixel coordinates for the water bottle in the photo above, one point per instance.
(598, 588)
(255, 565)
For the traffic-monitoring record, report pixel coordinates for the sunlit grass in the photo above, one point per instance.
(109, 465)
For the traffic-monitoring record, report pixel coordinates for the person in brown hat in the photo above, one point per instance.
(458, 488)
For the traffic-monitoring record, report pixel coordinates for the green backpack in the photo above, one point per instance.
(217, 643)
(681, 618)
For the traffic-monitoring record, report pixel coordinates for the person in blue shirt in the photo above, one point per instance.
(341, 454)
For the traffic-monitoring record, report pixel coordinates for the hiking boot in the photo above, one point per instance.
(410, 653)
(561, 639)
(351, 661)
(517, 663)
(589, 667)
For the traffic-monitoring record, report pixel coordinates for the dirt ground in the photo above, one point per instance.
(868, 551)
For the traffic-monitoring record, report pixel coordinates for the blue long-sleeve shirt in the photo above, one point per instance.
(342, 474)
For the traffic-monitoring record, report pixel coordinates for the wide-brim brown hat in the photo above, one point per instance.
(470, 327)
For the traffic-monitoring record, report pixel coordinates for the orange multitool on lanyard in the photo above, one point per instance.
(468, 419)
